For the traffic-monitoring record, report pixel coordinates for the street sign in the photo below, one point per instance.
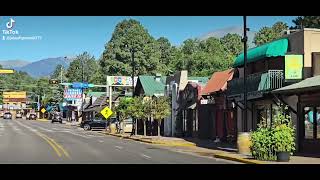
(80, 85)
(43, 110)
(120, 80)
(72, 94)
(6, 71)
(106, 112)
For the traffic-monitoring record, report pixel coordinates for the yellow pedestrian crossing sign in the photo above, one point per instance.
(43, 110)
(106, 112)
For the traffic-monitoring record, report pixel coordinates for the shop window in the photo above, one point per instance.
(318, 122)
(308, 123)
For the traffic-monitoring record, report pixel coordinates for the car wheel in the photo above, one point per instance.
(86, 127)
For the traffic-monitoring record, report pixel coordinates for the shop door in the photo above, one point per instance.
(311, 130)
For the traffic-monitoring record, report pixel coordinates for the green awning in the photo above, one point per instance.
(272, 49)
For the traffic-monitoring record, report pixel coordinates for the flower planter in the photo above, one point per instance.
(283, 156)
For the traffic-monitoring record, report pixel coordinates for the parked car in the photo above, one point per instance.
(95, 123)
(32, 116)
(19, 115)
(7, 115)
(56, 118)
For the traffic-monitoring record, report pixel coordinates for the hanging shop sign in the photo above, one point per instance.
(293, 67)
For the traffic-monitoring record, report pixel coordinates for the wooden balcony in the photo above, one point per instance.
(257, 84)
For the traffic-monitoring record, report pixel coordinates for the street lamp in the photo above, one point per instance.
(132, 50)
(244, 40)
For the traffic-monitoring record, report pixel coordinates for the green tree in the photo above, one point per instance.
(59, 72)
(90, 68)
(123, 108)
(130, 34)
(268, 34)
(306, 22)
(160, 110)
(232, 44)
(135, 110)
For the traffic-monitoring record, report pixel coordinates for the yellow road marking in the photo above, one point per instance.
(55, 145)
(60, 147)
(50, 143)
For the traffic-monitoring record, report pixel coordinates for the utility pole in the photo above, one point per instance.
(133, 72)
(82, 90)
(61, 75)
(245, 39)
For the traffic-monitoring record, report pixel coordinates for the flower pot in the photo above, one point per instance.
(283, 156)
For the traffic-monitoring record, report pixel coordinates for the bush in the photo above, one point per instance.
(284, 133)
(267, 141)
(262, 147)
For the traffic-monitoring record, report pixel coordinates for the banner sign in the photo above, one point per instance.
(72, 94)
(120, 80)
(293, 67)
(15, 97)
(9, 95)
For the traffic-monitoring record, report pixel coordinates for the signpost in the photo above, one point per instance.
(43, 110)
(106, 112)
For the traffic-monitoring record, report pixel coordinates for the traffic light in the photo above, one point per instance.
(53, 81)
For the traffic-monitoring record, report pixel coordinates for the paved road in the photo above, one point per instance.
(24, 141)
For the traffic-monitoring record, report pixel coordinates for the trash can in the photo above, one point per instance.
(244, 143)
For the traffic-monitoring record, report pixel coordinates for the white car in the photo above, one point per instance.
(7, 115)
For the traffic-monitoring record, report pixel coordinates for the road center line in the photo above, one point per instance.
(56, 147)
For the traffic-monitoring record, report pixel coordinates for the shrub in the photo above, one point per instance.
(267, 141)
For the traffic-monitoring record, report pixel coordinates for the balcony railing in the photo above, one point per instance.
(258, 82)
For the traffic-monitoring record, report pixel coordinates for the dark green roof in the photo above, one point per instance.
(306, 85)
(151, 86)
(95, 94)
(272, 49)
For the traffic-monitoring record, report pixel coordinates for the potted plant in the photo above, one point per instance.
(284, 137)
(262, 143)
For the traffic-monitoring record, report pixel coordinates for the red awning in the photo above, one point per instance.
(218, 82)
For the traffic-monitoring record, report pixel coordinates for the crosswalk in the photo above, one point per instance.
(7, 125)
(19, 128)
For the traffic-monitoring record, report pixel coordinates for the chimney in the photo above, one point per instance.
(158, 77)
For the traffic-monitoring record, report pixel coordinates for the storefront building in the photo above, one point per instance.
(216, 119)
(272, 66)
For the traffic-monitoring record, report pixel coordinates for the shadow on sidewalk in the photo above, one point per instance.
(210, 144)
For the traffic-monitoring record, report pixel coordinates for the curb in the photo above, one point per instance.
(220, 155)
(237, 159)
(43, 120)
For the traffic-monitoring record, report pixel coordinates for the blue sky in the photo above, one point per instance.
(72, 35)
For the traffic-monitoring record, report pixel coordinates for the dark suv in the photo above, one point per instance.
(95, 123)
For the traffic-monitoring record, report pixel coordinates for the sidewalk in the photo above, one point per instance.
(210, 148)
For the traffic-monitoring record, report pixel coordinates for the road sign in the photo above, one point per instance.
(106, 112)
(43, 110)
(72, 94)
(6, 71)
